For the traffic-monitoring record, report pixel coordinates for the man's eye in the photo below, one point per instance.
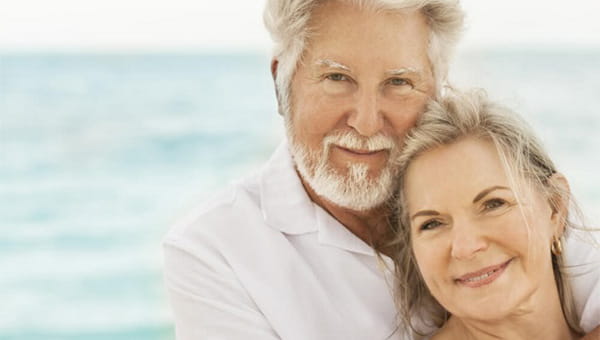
(399, 82)
(431, 224)
(494, 203)
(337, 77)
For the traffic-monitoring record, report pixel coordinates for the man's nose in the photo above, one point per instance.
(467, 241)
(366, 118)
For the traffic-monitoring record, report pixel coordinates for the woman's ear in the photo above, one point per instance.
(560, 195)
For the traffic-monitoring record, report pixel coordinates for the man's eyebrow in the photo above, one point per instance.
(332, 64)
(487, 191)
(402, 71)
(425, 213)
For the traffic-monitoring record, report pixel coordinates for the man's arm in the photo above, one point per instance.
(207, 299)
(583, 272)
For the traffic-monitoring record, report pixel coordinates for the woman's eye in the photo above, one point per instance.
(493, 204)
(337, 77)
(432, 224)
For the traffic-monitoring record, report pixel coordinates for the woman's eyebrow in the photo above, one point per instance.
(487, 191)
(425, 213)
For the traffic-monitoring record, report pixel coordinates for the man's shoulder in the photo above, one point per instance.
(582, 264)
(227, 209)
(254, 210)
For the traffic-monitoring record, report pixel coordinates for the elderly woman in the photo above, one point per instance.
(478, 245)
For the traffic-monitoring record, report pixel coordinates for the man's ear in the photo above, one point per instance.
(274, 66)
(559, 202)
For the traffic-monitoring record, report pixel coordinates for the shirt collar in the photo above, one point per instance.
(287, 207)
(285, 204)
(333, 233)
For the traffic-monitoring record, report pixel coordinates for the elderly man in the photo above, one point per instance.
(288, 252)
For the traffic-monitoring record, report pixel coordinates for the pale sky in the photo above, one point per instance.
(237, 24)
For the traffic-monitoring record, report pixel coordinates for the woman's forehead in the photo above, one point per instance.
(461, 169)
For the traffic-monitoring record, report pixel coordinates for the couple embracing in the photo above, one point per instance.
(396, 208)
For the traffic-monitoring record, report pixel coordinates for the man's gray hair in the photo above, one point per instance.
(288, 23)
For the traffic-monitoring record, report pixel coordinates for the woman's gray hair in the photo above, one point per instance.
(454, 116)
(288, 23)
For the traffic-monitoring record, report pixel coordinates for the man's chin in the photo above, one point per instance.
(356, 189)
(356, 186)
(347, 172)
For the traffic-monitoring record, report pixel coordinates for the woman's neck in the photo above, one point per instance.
(540, 317)
(522, 328)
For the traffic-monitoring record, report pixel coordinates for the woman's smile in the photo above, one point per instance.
(483, 276)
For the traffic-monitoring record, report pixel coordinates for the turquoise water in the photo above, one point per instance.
(100, 153)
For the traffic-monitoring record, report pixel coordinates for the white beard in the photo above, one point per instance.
(355, 190)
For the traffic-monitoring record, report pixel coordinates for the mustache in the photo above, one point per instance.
(352, 140)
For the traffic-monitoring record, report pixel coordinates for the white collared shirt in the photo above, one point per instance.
(262, 261)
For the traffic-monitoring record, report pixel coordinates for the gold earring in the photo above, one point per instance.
(556, 246)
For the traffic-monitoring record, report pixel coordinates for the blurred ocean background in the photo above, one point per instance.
(100, 153)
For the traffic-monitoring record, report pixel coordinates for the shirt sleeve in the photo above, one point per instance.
(207, 299)
(583, 272)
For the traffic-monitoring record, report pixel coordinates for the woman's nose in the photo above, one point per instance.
(467, 241)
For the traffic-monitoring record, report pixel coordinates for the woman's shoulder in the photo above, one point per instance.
(441, 336)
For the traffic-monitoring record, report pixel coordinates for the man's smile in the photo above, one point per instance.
(360, 152)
